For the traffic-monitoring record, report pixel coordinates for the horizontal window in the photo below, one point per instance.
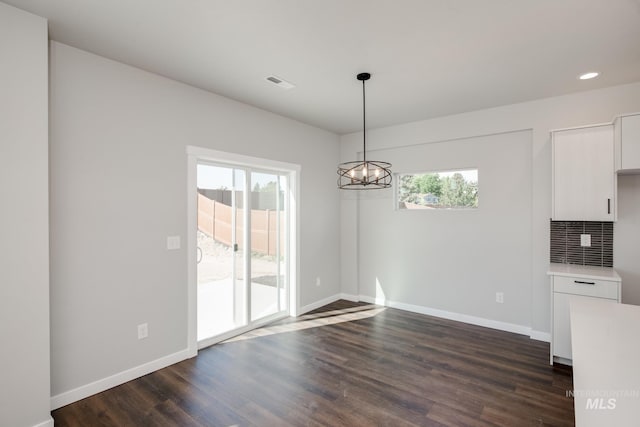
(457, 189)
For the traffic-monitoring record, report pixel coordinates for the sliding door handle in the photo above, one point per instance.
(609, 206)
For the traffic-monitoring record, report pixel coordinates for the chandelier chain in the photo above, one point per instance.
(364, 123)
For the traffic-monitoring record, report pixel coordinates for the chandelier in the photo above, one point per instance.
(364, 174)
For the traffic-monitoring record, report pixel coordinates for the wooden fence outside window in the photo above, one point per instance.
(215, 220)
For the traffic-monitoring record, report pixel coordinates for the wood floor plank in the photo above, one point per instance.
(347, 364)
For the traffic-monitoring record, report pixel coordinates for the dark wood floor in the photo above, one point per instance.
(369, 367)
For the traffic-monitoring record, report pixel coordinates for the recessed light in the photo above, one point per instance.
(282, 83)
(589, 75)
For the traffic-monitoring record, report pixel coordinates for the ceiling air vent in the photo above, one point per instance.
(280, 82)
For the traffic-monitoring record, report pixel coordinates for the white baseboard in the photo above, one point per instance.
(349, 297)
(540, 336)
(47, 423)
(314, 305)
(101, 385)
(473, 320)
(328, 300)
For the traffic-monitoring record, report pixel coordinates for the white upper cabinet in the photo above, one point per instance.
(627, 138)
(583, 174)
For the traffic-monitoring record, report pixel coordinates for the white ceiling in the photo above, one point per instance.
(428, 58)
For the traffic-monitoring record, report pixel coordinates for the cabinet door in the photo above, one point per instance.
(630, 142)
(562, 322)
(583, 174)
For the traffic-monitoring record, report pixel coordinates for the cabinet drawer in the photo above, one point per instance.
(586, 287)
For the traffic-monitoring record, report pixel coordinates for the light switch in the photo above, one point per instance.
(173, 243)
(585, 240)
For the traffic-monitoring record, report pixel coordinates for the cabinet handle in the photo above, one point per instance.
(584, 283)
(609, 206)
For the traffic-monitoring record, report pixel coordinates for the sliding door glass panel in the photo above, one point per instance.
(266, 244)
(240, 258)
(283, 237)
(221, 290)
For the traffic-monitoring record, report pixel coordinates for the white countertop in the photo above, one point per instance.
(584, 271)
(606, 363)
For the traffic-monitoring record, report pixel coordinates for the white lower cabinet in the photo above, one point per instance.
(586, 283)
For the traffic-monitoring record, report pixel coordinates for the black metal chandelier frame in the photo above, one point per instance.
(364, 174)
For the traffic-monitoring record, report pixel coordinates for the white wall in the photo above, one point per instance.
(540, 116)
(24, 225)
(118, 189)
(437, 258)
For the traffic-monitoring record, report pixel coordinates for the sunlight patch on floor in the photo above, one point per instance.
(314, 321)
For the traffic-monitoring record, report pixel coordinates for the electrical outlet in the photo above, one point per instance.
(500, 297)
(143, 330)
(585, 240)
(317, 281)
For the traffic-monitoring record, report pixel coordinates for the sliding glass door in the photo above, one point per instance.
(242, 251)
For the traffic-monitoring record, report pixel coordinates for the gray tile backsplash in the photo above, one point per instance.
(565, 243)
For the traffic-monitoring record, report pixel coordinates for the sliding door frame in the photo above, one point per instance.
(292, 171)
